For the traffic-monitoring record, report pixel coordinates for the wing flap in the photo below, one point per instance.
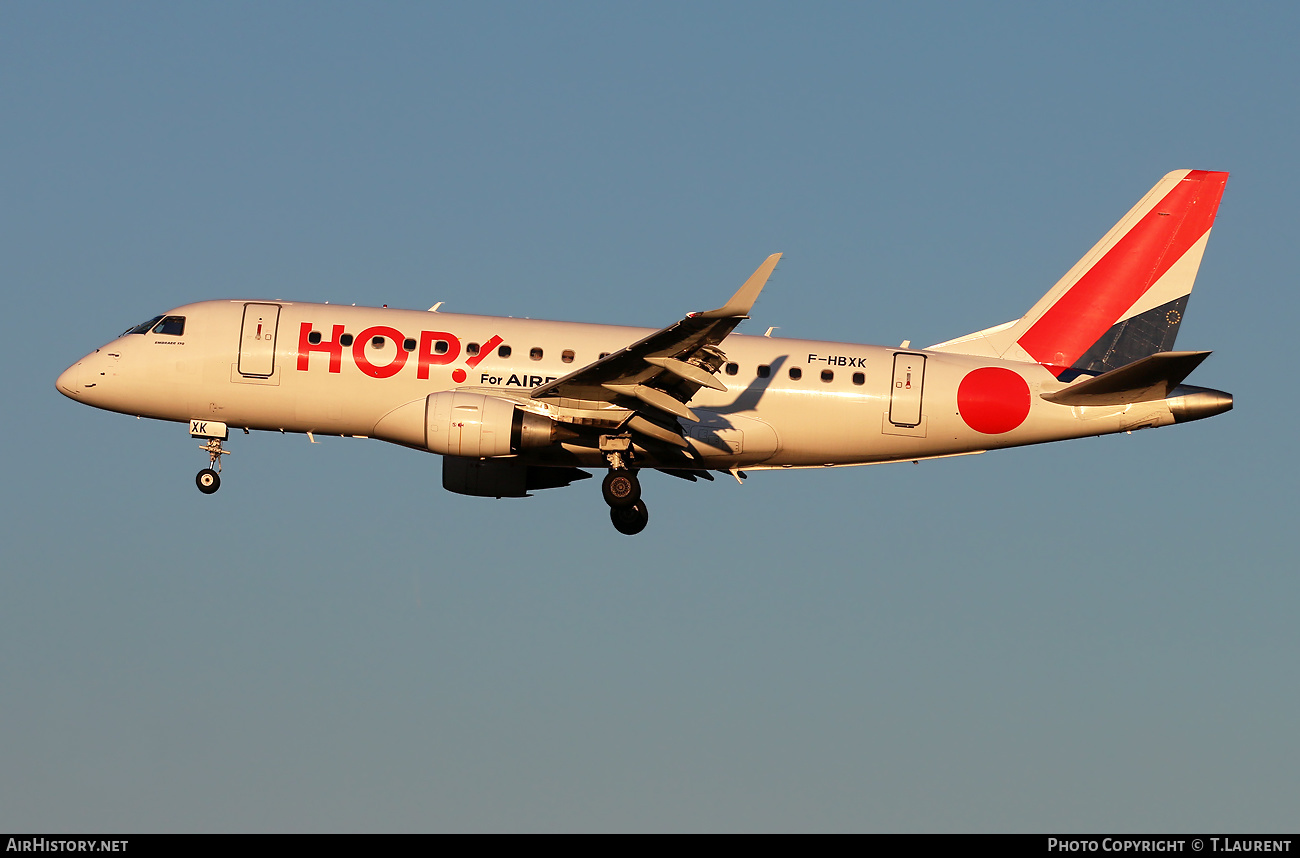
(655, 398)
(688, 371)
(649, 428)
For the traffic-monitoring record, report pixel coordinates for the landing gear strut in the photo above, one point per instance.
(209, 479)
(621, 488)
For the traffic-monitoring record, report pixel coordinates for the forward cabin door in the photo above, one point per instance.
(909, 382)
(257, 340)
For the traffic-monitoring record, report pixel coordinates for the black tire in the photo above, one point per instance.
(208, 481)
(621, 489)
(630, 520)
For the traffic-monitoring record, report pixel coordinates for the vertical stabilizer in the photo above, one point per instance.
(1125, 299)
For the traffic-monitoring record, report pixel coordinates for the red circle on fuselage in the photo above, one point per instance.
(458, 375)
(993, 400)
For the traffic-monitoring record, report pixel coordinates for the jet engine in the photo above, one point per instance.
(478, 426)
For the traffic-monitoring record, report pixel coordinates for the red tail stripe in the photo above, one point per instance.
(1093, 304)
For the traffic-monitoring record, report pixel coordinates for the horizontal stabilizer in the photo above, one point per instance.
(1144, 380)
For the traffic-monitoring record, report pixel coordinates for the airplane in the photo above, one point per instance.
(516, 406)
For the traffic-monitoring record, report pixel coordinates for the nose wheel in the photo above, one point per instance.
(208, 481)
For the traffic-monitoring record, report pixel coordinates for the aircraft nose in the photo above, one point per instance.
(69, 383)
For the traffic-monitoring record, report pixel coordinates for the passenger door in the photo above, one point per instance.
(257, 340)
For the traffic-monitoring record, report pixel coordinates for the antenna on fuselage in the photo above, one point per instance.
(435, 307)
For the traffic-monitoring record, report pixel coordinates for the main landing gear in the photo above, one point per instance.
(630, 520)
(621, 488)
(622, 491)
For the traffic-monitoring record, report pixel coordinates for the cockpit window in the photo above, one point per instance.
(171, 326)
(143, 327)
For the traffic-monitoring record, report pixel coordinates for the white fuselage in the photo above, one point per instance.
(787, 403)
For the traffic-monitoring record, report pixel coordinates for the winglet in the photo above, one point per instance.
(743, 301)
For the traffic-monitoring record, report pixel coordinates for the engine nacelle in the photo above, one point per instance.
(475, 425)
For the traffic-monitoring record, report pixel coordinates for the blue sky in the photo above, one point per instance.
(1090, 636)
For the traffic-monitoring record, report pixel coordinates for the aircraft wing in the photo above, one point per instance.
(658, 375)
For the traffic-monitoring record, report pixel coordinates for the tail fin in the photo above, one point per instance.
(1125, 299)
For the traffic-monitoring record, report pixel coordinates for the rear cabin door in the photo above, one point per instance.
(909, 382)
(257, 340)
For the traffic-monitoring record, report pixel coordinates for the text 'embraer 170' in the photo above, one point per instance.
(517, 405)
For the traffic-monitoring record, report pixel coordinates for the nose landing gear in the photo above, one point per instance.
(209, 479)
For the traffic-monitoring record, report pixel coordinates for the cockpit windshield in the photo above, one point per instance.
(170, 326)
(167, 326)
(143, 327)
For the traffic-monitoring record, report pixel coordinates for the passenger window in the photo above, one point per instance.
(171, 326)
(471, 349)
(345, 340)
(795, 373)
(408, 345)
(314, 338)
(733, 368)
(504, 352)
(440, 348)
(535, 354)
(859, 378)
(377, 342)
(764, 370)
(828, 375)
(567, 355)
